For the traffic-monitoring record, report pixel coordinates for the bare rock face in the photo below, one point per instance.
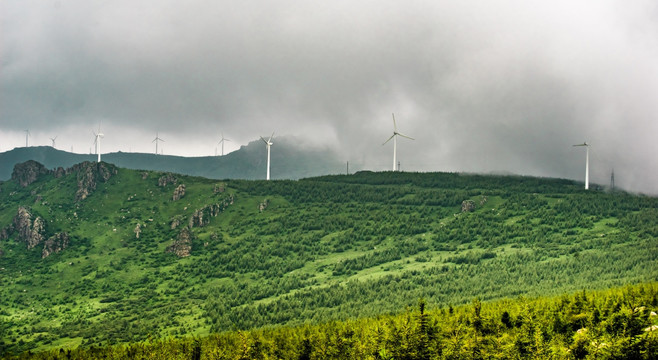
(179, 192)
(182, 245)
(59, 172)
(28, 172)
(262, 206)
(55, 244)
(176, 221)
(29, 231)
(468, 205)
(89, 174)
(201, 217)
(166, 179)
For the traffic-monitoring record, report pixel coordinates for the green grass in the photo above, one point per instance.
(325, 248)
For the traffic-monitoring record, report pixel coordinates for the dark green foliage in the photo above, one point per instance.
(329, 248)
(469, 332)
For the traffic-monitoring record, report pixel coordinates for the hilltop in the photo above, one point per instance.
(289, 161)
(98, 254)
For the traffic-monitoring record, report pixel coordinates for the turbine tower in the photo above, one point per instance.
(27, 133)
(268, 143)
(156, 140)
(97, 141)
(395, 143)
(222, 142)
(586, 145)
(53, 140)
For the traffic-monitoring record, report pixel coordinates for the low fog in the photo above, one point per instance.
(502, 87)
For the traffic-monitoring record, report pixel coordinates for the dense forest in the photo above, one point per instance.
(145, 260)
(613, 324)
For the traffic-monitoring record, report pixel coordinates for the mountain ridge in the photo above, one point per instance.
(248, 162)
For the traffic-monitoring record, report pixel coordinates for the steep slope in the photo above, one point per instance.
(249, 162)
(152, 254)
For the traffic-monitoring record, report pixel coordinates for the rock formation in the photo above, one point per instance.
(201, 217)
(89, 174)
(263, 205)
(176, 221)
(182, 245)
(55, 244)
(166, 179)
(468, 205)
(138, 230)
(31, 232)
(179, 192)
(28, 172)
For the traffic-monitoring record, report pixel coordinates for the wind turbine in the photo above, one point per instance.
(53, 140)
(27, 133)
(395, 143)
(156, 140)
(586, 145)
(97, 141)
(224, 139)
(268, 143)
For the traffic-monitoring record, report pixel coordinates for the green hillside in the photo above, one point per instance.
(113, 258)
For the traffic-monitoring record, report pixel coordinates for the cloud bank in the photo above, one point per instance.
(503, 86)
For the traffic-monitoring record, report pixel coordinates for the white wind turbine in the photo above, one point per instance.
(156, 140)
(268, 143)
(97, 141)
(586, 145)
(27, 133)
(53, 140)
(222, 142)
(395, 143)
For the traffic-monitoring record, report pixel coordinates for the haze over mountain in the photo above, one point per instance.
(249, 162)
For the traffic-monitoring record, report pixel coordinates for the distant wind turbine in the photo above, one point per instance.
(222, 142)
(268, 143)
(156, 140)
(27, 133)
(53, 140)
(586, 145)
(395, 143)
(97, 141)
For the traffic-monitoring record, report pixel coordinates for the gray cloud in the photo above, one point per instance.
(505, 86)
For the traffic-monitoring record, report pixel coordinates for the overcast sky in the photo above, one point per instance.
(482, 86)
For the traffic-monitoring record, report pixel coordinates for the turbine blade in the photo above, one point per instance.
(389, 139)
(408, 137)
(395, 126)
(265, 141)
(271, 136)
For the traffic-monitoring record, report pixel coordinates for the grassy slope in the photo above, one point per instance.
(325, 248)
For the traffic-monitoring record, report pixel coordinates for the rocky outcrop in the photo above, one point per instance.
(138, 230)
(28, 172)
(183, 244)
(89, 175)
(55, 244)
(59, 172)
(219, 188)
(145, 175)
(166, 179)
(179, 192)
(468, 205)
(176, 221)
(263, 205)
(31, 232)
(201, 217)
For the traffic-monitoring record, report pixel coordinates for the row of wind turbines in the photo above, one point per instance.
(268, 143)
